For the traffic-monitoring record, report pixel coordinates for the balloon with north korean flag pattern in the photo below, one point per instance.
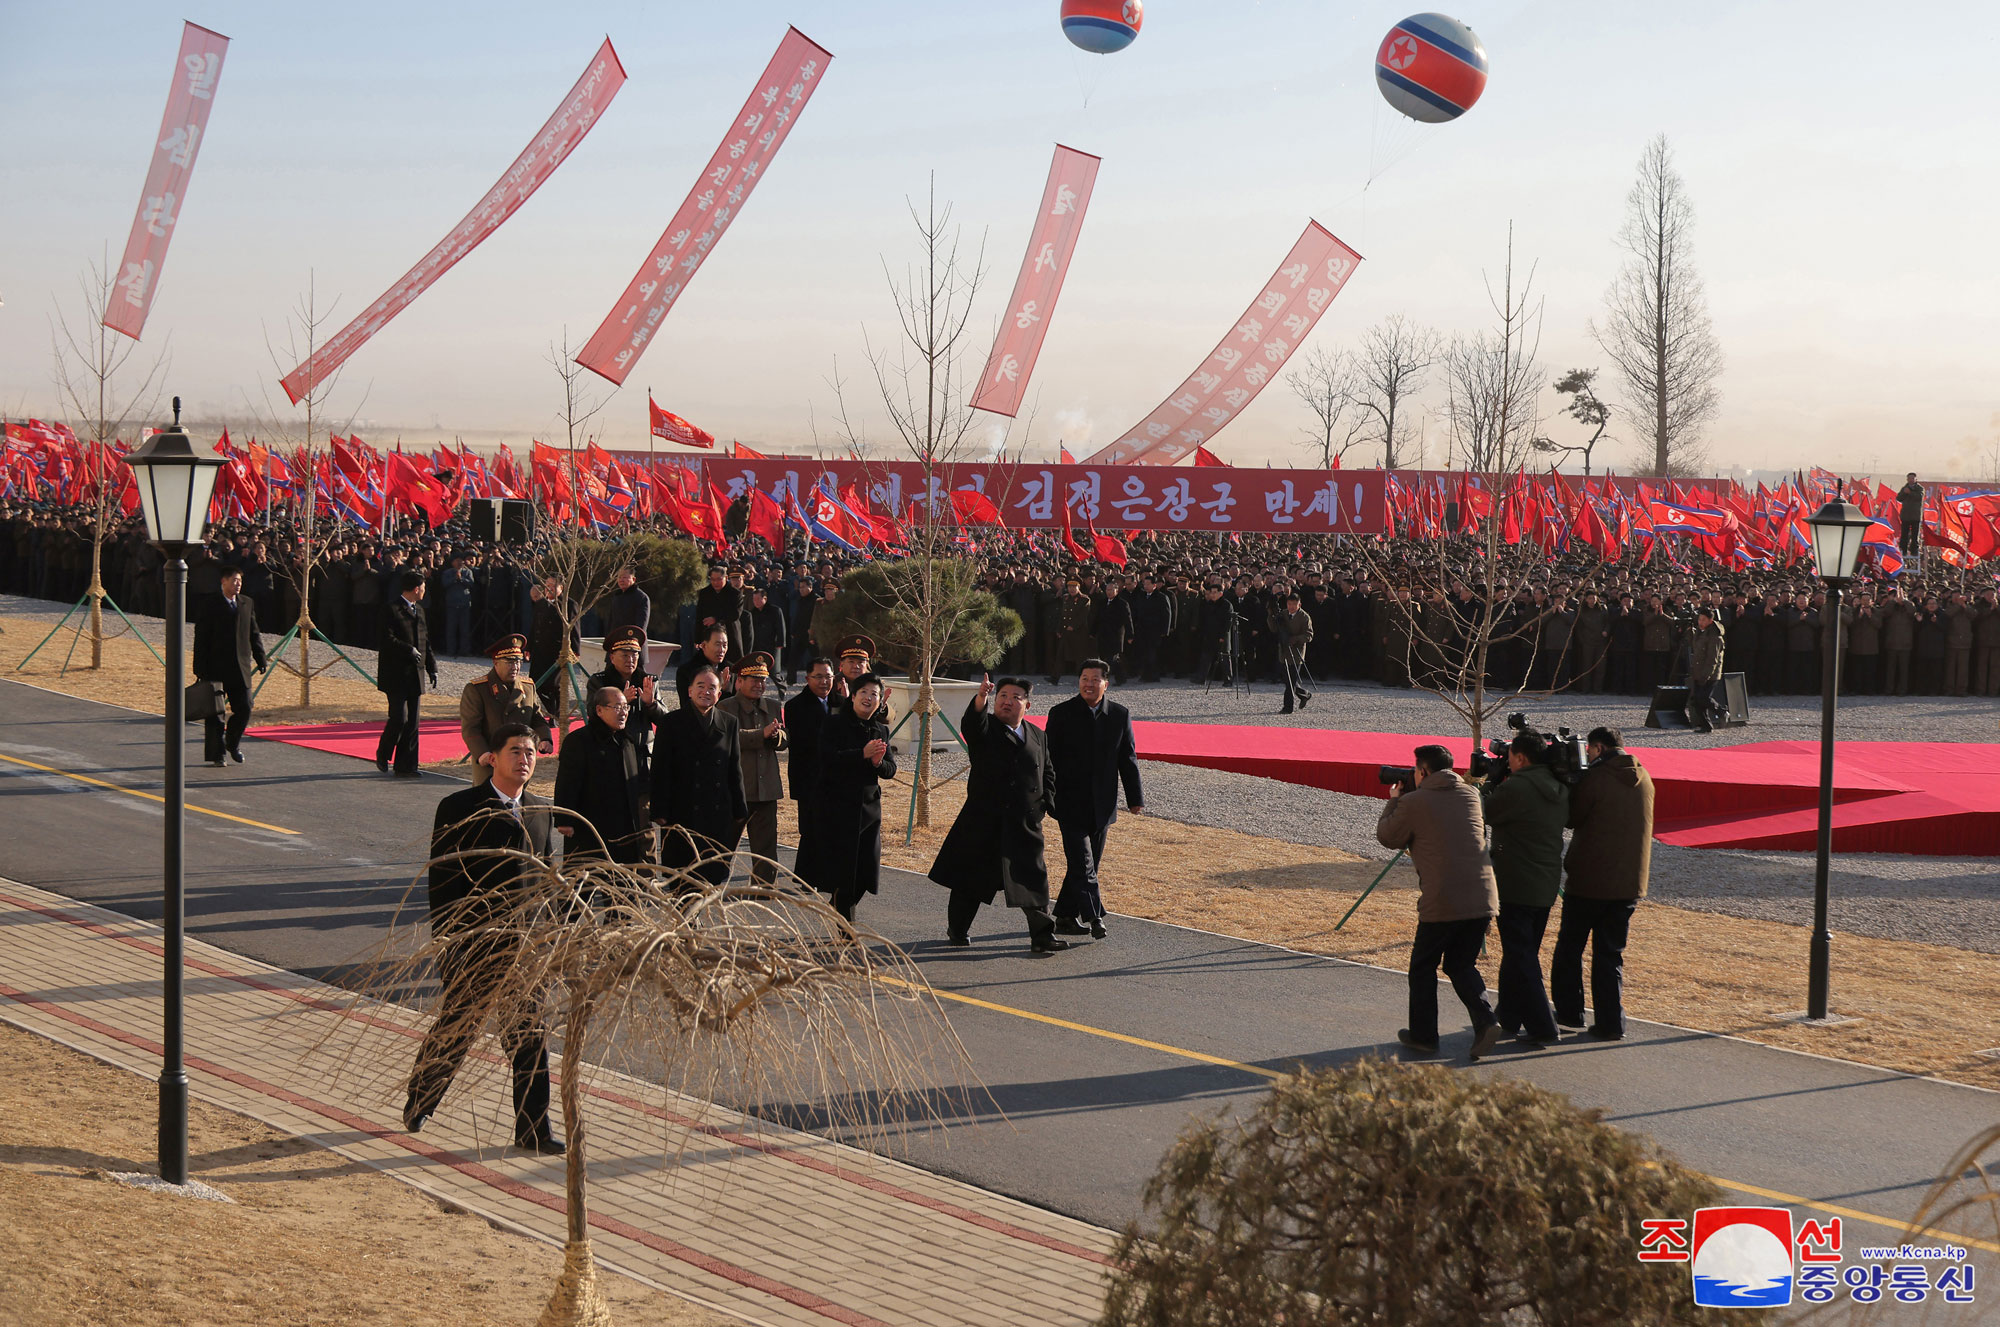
(1431, 68)
(1102, 27)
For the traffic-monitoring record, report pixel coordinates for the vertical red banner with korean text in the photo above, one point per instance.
(573, 119)
(717, 198)
(1051, 243)
(1250, 356)
(196, 73)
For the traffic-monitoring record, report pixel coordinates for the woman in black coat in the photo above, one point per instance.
(854, 758)
(698, 782)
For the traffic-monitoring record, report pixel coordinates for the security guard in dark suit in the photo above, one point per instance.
(228, 649)
(698, 783)
(806, 716)
(402, 664)
(475, 884)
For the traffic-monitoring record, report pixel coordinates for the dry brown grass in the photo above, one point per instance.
(312, 1238)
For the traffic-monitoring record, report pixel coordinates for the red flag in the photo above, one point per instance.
(1076, 550)
(974, 508)
(1203, 456)
(767, 520)
(668, 425)
(406, 484)
(1109, 548)
(746, 454)
(1067, 459)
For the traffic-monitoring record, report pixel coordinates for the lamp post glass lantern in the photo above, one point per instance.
(175, 484)
(1838, 529)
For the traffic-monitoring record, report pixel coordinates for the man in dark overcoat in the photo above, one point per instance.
(805, 716)
(602, 779)
(403, 663)
(996, 845)
(228, 650)
(1090, 750)
(475, 884)
(698, 783)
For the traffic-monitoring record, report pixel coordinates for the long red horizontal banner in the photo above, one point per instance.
(1110, 496)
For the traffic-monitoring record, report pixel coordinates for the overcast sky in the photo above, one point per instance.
(1842, 161)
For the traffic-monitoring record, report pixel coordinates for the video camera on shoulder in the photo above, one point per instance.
(1566, 757)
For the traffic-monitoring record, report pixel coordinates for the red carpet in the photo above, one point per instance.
(1905, 797)
(437, 739)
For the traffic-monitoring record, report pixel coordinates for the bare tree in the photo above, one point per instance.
(579, 406)
(1586, 409)
(1467, 588)
(301, 426)
(90, 366)
(924, 390)
(1656, 328)
(1395, 355)
(1329, 386)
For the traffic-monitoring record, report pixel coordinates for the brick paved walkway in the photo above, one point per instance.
(766, 1224)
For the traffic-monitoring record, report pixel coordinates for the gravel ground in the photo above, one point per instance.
(1939, 900)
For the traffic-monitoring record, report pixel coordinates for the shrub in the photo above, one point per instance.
(1407, 1195)
(891, 602)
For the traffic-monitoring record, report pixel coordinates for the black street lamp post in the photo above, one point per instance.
(174, 488)
(1837, 532)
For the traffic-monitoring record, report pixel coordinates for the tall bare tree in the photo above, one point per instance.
(922, 380)
(579, 406)
(303, 426)
(1465, 583)
(1656, 327)
(98, 394)
(1587, 409)
(1329, 386)
(1395, 355)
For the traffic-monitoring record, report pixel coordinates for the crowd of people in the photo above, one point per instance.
(1291, 610)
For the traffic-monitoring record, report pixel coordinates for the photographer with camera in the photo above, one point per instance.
(1435, 816)
(1526, 807)
(1610, 853)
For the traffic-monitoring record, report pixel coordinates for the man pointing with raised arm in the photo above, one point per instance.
(995, 845)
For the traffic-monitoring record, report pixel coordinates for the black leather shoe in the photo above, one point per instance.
(1573, 1024)
(1096, 930)
(217, 762)
(542, 1144)
(1425, 1047)
(1048, 944)
(413, 1119)
(958, 941)
(1485, 1041)
(236, 756)
(1070, 926)
(382, 764)
(1286, 710)
(1305, 700)
(1606, 1034)
(409, 774)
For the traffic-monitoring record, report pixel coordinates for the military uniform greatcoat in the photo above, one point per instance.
(487, 705)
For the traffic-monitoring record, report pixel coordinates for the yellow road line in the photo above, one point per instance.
(1774, 1195)
(151, 797)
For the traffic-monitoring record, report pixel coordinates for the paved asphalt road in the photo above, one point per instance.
(1088, 1109)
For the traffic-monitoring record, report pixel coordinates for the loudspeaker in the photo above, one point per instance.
(504, 520)
(1736, 700)
(1669, 708)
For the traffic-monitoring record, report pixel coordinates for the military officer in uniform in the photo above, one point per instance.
(855, 656)
(503, 696)
(625, 672)
(760, 726)
(698, 782)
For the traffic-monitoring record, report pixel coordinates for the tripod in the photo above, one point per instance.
(1231, 658)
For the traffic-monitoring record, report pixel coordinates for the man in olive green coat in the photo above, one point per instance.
(503, 696)
(1705, 651)
(1526, 811)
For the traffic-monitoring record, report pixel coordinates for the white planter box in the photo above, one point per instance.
(951, 695)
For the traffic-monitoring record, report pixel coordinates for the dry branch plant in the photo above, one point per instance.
(1407, 1195)
(756, 994)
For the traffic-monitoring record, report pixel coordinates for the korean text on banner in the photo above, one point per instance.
(196, 73)
(1251, 355)
(1109, 497)
(573, 119)
(1050, 244)
(716, 199)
